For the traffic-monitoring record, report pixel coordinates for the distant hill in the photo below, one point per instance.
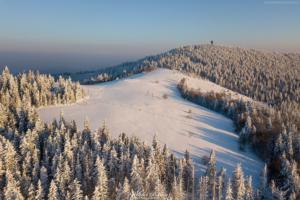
(265, 76)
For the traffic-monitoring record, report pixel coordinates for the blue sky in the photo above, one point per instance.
(116, 31)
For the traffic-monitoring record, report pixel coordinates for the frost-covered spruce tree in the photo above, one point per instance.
(292, 183)
(238, 184)
(273, 190)
(203, 187)
(124, 190)
(289, 147)
(100, 192)
(177, 190)
(53, 192)
(189, 173)
(281, 195)
(105, 136)
(160, 190)
(156, 148)
(40, 191)
(212, 175)
(263, 181)
(228, 192)
(113, 164)
(13, 191)
(220, 183)
(135, 175)
(87, 132)
(151, 174)
(249, 189)
(279, 145)
(76, 191)
(31, 193)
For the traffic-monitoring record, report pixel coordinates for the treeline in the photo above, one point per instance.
(268, 131)
(264, 76)
(109, 74)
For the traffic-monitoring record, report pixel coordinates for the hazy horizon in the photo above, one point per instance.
(64, 36)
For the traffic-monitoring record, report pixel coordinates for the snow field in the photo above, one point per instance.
(129, 106)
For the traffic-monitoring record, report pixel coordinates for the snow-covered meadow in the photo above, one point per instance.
(135, 105)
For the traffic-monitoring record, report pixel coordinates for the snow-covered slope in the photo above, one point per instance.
(128, 108)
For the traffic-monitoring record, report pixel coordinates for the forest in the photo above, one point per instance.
(58, 161)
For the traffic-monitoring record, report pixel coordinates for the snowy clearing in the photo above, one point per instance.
(129, 107)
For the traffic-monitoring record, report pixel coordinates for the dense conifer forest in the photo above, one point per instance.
(57, 161)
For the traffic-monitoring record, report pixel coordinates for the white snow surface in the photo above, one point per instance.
(128, 108)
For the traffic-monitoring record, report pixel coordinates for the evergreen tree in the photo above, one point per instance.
(160, 190)
(263, 181)
(249, 189)
(203, 187)
(220, 183)
(189, 173)
(13, 191)
(40, 191)
(87, 132)
(53, 192)
(124, 191)
(212, 175)
(113, 164)
(151, 175)
(238, 184)
(76, 191)
(105, 136)
(135, 175)
(100, 192)
(31, 192)
(228, 195)
(292, 183)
